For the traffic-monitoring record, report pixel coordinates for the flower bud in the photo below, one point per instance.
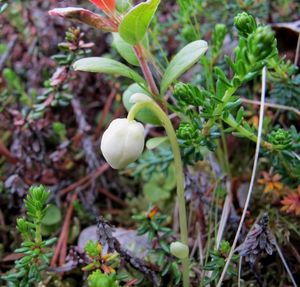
(123, 142)
(262, 43)
(218, 37)
(189, 133)
(179, 250)
(245, 24)
(281, 138)
(187, 94)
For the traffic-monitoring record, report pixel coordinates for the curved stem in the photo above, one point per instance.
(179, 173)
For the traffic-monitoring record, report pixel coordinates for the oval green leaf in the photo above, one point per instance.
(123, 5)
(135, 23)
(125, 50)
(155, 142)
(182, 61)
(107, 66)
(52, 216)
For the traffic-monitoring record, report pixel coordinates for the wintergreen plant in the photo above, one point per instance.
(36, 251)
(201, 110)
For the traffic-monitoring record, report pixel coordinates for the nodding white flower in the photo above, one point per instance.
(179, 250)
(123, 142)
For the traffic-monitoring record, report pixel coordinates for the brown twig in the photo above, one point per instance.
(60, 251)
(7, 154)
(271, 105)
(105, 111)
(111, 196)
(101, 169)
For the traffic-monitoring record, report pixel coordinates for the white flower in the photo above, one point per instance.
(179, 250)
(123, 142)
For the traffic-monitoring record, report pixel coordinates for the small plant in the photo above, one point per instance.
(217, 263)
(57, 89)
(193, 73)
(102, 266)
(98, 279)
(36, 251)
(107, 263)
(163, 254)
(202, 111)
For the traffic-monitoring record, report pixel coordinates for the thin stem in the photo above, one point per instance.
(225, 147)
(288, 270)
(297, 51)
(218, 110)
(240, 271)
(253, 176)
(271, 105)
(145, 68)
(230, 120)
(38, 233)
(179, 173)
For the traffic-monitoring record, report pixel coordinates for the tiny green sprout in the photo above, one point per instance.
(187, 94)
(98, 279)
(189, 134)
(245, 24)
(218, 261)
(35, 203)
(281, 138)
(93, 249)
(218, 37)
(99, 261)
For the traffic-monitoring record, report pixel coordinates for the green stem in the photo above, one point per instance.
(218, 110)
(225, 148)
(179, 172)
(38, 233)
(230, 120)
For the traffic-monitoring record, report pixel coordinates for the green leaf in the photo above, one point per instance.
(108, 66)
(183, 60)
(166, 269)
(176, 272)
(144, 115)
(240, 114)
(155, 142)
(52, 216)
(159, 187)
(135, 23)
(123, 5)
(125, 50)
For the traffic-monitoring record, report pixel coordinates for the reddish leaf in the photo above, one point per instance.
(291, 202)
(105, 5)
